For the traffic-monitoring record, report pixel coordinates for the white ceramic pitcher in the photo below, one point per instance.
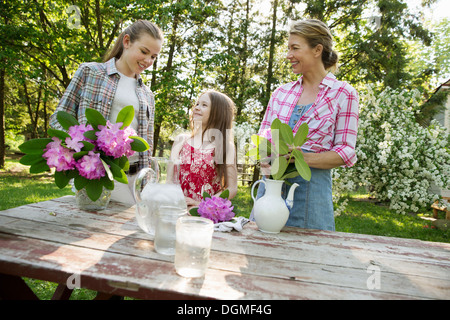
(271, 211)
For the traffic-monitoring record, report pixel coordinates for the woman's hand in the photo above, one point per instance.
(265, 168)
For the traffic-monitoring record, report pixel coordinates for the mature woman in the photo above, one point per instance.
(329, 107)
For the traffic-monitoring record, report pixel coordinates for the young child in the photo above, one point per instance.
(207, 155)
(114, 84)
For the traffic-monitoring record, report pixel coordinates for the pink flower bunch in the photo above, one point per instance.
(216, 209)
(59, 157)
(77, 135)
(115, 142)
(90, 166)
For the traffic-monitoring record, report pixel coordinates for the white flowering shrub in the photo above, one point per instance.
(397, 158)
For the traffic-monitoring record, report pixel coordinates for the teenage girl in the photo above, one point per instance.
(116, 83)
(207, 155)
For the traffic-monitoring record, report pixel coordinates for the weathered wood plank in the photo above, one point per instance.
(290, 267)
(417, 249)
(304, 258)
(145, 278)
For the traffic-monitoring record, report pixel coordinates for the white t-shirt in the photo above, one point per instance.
(125, 96)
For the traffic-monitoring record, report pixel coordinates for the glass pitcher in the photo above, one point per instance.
(155, 187)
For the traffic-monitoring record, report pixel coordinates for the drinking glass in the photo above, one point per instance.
(165, 231)
(193, 245)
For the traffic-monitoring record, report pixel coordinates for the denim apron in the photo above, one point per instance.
(313, 202)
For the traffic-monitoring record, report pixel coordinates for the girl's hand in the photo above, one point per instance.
(191, 203)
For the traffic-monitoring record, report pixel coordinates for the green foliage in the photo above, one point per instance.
(114, 167)
(280, 151)
(234, 48)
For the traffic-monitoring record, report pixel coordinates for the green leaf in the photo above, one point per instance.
(278, 167)
(80, 182)
(94, 189)
(78, 155)
(126, 116)
(280, 145)
(39, 167)
(66, 120)
(87, 146)
(109, 174)
(35, 146)
(61, 179)
(276, 124)
(108, 184)
(30, 159)
(139, 144)
(289, 175)
(124, 163)
(286, 133)
(118, 174)
(263, 147)
(301, 135)
(95, 118)
(58, 133)
(206, 195)
(225, 194)
(301, 166)
(90, 135)
(194, 212)
(253, 153)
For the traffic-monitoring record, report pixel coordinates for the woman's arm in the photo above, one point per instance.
(323, 160)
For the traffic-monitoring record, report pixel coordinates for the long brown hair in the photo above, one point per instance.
(220, 118)
(134, 31)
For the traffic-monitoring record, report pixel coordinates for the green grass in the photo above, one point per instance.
(17, 188)
(366, 217)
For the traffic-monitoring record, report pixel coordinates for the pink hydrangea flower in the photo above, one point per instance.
(76, 135)
(216, 209)
(59, 157)
(90, 166)
(113, 141)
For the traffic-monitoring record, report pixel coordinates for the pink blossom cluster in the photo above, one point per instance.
(216, 209)
(111, 141)
(90, 166)
(58, 156)
(115, 142)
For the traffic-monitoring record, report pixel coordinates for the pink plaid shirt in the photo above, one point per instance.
(332, 119)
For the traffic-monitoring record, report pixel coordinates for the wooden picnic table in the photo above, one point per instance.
(107, 252)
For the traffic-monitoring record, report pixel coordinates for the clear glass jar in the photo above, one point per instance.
(85, 203)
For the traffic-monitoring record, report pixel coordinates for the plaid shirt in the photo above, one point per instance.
(94, 86)
(332, 119)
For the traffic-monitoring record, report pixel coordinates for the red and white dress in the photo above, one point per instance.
(198, 172)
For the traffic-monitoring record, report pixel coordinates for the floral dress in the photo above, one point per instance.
(198, 172)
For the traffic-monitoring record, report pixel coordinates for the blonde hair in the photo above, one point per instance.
(134, 31)
(316, 32)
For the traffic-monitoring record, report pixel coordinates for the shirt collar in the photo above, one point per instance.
(111, 69)
(328, 81)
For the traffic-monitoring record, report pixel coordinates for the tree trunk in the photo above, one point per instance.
(269, 75)
(2, 118)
